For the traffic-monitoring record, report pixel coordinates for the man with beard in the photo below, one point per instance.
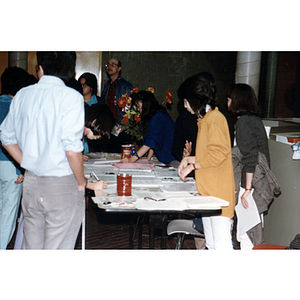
(115, 87)
(113, 90)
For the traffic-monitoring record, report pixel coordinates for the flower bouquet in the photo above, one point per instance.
(132, 123)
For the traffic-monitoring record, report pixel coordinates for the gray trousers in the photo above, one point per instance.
(53, 209)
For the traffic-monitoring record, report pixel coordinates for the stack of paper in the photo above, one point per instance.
(205, 202)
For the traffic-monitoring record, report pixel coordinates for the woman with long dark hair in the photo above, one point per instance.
(89, 85)
(251, 139)
(212, 162)
(160, 130)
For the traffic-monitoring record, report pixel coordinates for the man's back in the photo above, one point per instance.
(48, 120)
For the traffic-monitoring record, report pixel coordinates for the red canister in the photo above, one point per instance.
(126, 151)
(124, 182)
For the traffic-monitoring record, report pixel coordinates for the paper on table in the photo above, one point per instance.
(164, 173)
(169, 204)
(141, 194)
(100, 169)
(107, 178)
(97, 155)
(107, 161)
(115, 202)
(167, 179)
(205, 202)
(179, 187)
(137, 173)
(111, 188)
(145, 182)
(133, 165)
(246, 218)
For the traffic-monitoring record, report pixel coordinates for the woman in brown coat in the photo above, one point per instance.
(212, 162)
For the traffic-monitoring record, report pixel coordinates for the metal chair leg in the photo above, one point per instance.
(180, 240)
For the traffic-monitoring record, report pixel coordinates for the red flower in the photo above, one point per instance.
(150, 89)
(137, 118)
(134, 90)
(169, 94)
(125, 119)
(122, 102)
(169, 100)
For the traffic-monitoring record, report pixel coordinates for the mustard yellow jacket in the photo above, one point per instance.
(213, 152)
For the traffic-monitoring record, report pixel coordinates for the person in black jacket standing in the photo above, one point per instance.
(251, 138)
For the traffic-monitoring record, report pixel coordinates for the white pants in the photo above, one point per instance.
(245, 242)
(217, 231)
(53, 209)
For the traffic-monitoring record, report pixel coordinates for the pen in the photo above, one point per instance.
(153, 199)
(94, 174)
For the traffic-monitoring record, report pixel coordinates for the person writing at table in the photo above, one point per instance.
(212, 163)
(160, 130)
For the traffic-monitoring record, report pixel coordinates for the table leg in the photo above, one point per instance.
(131, 233)
(164, 235)
(141, 231)
(159, 222)
(151, 237)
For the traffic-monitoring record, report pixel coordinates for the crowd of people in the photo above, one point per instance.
(47, 127)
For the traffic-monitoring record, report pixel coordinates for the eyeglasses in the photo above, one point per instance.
(111, 64)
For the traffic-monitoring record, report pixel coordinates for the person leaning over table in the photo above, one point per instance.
(99, 126)
(160, 130)
(212, 163)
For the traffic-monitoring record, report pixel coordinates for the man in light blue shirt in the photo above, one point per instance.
(43, 133)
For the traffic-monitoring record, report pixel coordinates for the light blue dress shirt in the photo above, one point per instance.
(45, 120)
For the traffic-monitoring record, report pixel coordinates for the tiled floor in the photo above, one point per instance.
(111, 231)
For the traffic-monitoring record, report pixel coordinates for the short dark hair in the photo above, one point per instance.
(99, 118)
(198, 93)
(91, 81)
(243, 100)
(57, 63)
(119, 62)
(75, 84)
(149, 104)
(209, 79)
(13, 79)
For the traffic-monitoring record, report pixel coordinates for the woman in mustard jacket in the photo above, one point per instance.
(212, 162)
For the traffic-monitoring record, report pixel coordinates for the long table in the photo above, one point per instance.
(161, 182)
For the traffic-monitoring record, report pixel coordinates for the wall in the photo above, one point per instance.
(3, 63)
(282, 222)
(167, 70)
(285, 86)
(89, 61)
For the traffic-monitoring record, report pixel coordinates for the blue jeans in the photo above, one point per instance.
(10, 195)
